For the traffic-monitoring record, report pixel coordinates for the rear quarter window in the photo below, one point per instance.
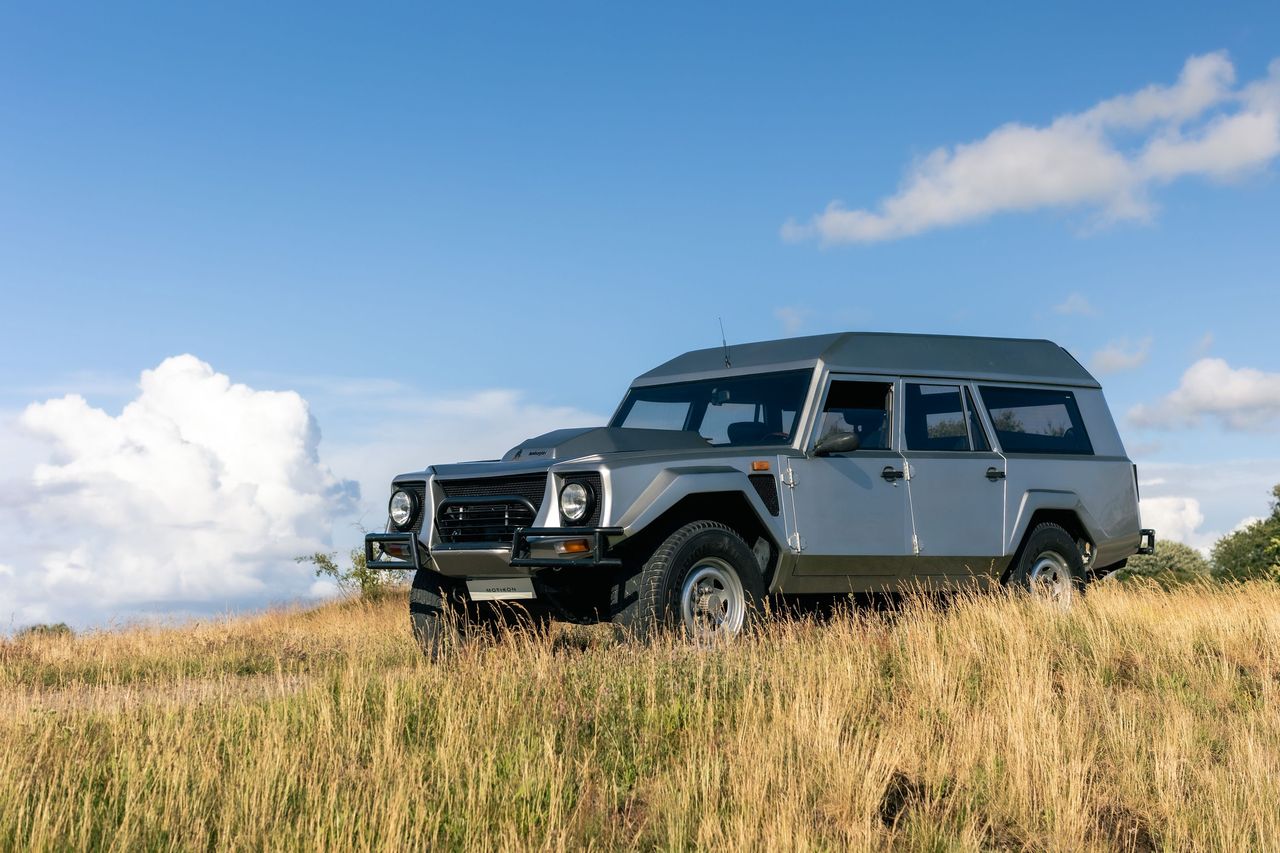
(1036, 420)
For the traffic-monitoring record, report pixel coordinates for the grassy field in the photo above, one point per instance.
(1143, 719)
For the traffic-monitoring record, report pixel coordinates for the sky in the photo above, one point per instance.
(255, 259)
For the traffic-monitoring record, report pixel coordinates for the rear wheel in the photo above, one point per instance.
(702, 580)
(1050, 566)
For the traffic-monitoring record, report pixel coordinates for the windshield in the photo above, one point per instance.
(732, 412)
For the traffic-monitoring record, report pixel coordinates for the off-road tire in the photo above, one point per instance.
(433, 613)
(1049, 539)
(657, 586)
(441, 615)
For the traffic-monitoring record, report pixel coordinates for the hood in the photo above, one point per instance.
(573, 443)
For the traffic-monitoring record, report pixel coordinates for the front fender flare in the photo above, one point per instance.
(674, 484)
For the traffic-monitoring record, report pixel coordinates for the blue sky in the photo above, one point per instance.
(395, 211)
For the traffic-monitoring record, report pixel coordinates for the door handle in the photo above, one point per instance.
(890, 473)
(994, 473)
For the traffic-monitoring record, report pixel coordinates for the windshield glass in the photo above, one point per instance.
(733, 412)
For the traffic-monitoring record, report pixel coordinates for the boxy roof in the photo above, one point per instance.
(1003, 359)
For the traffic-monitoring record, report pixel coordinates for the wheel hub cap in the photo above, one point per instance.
(712, 602)
(1051, 579)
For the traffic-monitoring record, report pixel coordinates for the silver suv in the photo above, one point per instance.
(829, 464)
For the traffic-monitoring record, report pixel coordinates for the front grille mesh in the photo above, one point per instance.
(466, 518)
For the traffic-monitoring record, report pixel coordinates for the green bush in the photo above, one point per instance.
(1172, 562)
(1254, 551)
(60, 629)
(358, 577)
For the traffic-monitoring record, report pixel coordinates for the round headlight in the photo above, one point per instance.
(402, 508)
(575, 502)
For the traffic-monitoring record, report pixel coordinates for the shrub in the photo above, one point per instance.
(60, 629)
(1252, 552)
(1172, 562)
(358, 578)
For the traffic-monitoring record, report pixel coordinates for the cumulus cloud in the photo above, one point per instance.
(1075, 304)
(1121, 355)
(1177, 519)
(1238, 398)
(196, 497)
(1105, 159)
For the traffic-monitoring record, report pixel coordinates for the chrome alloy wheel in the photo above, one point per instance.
(1050, 578)
(713, 605)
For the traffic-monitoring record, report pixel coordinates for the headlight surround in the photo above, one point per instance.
(576, 502)
(402, 508)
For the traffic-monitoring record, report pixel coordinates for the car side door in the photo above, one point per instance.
(956, 482)
(851, 519)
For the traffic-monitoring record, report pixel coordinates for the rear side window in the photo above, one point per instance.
(1036, 420)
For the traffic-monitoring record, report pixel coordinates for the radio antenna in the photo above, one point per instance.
(724, 343)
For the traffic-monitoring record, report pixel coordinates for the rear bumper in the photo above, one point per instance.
(532, 548)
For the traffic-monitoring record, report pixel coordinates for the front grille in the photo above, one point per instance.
(488, 510)
(419, 489)
(767, 487)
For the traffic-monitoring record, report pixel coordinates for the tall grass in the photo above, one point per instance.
(1142, 719)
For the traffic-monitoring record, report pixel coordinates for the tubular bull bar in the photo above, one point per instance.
(398, 551)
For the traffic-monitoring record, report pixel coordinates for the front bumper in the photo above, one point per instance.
(531, 548)
(392, 551)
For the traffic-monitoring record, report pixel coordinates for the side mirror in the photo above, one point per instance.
(837, 442)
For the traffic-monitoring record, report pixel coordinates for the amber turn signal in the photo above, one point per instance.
(759, 465)
(573, 546)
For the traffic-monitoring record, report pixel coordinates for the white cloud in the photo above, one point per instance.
(1104, 159)
(1239, 398)
(1121, 355)
(196, 497)
(1075, 304)
(1174, 518)
(1197, 503)
(790, 317)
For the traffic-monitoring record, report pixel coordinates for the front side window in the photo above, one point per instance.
(934, 418)
(1036, 420)
(738, 411)
(858, 407)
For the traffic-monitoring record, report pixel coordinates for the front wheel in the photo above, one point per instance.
(1050, 566)
(441, 614)
(702, 580)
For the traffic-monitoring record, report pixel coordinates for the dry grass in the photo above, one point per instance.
(1144, 719)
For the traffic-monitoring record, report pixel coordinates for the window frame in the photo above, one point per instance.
(994, 434)
(820, 405)
(694, 425)
(961, 386)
